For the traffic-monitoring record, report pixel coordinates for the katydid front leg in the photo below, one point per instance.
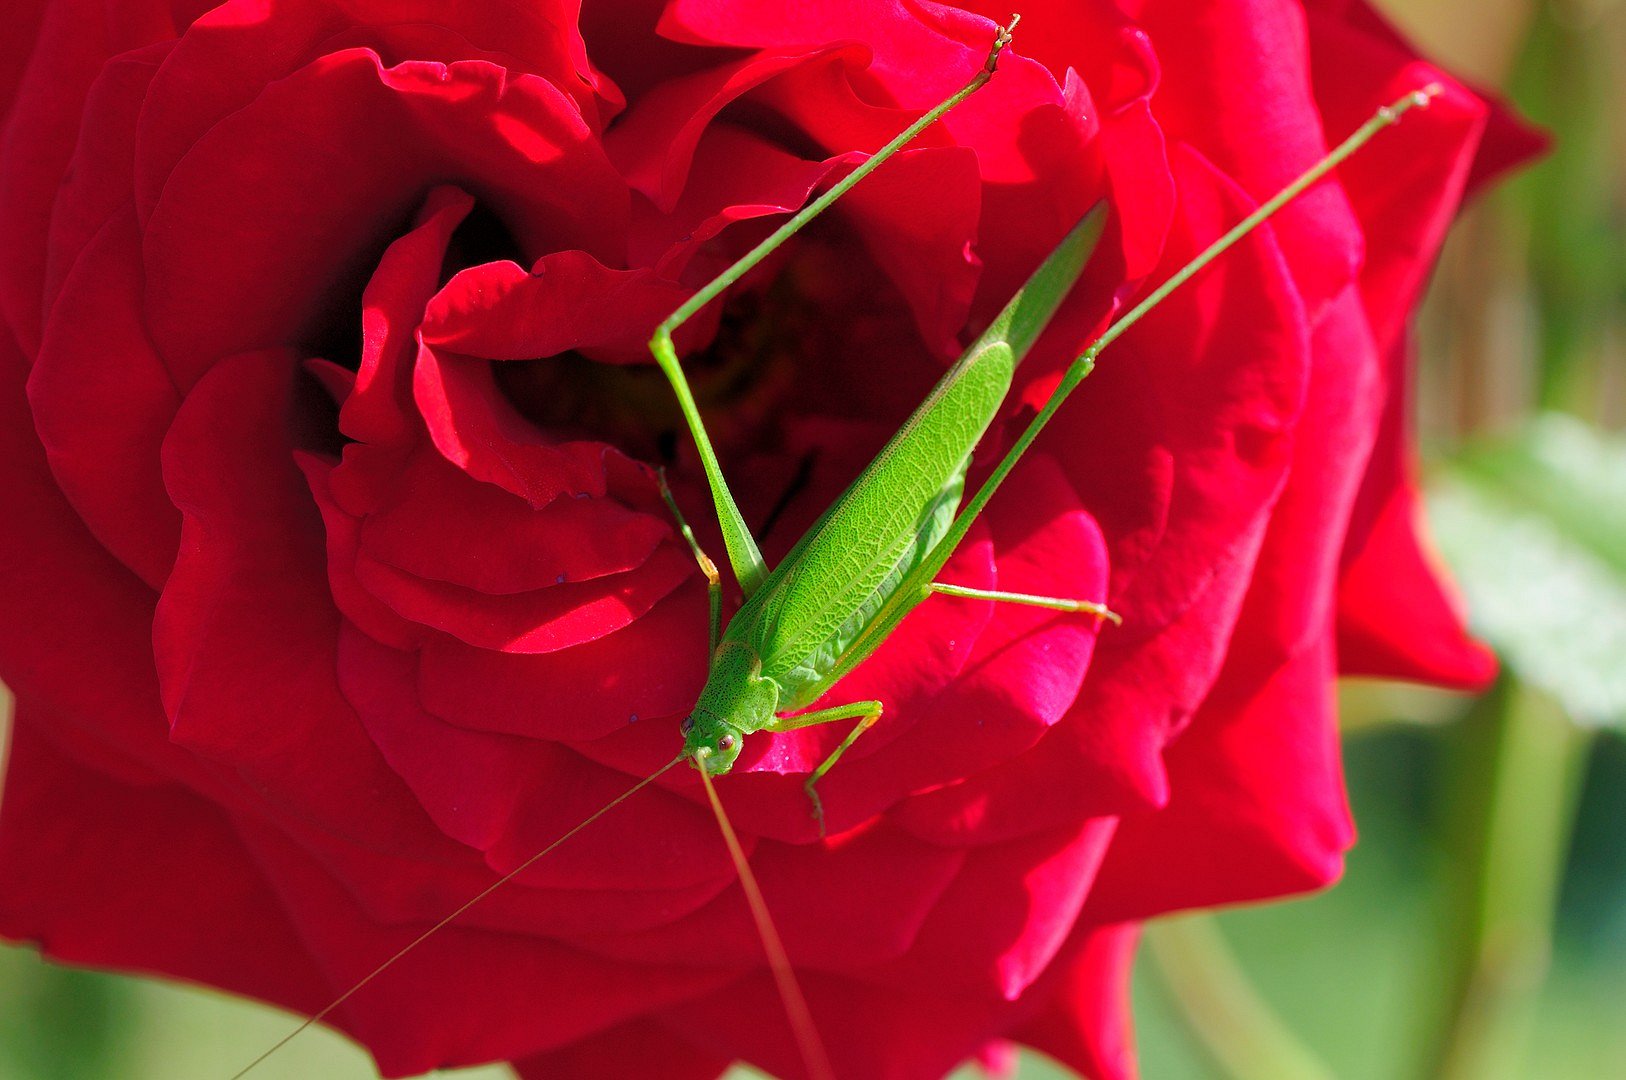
(714, 581)
(868, 712)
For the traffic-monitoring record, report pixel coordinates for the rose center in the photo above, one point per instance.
(742, 380)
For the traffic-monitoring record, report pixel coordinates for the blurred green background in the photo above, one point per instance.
(1481, 930)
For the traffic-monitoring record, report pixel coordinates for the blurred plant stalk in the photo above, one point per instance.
(1233, 1026)
(1527, 311)
(1527, 314)
(1516, 766)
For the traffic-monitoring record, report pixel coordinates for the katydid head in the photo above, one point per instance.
(711, 742)
(735, 701)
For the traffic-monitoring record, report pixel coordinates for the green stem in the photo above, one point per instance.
(1517, 772)
(1233, 1025)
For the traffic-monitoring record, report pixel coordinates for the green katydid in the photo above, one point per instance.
(873, 555)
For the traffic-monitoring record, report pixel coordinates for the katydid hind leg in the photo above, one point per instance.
(921, 577)
(743, 553)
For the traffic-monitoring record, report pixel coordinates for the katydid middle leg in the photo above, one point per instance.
(869, 712)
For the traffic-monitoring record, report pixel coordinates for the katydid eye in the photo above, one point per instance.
(687, 725)
(726, 743)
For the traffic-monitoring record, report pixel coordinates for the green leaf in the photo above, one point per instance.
(1535, 528)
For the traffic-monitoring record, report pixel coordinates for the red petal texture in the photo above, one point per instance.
(626, 1051)
(1085, 1023)
(129, 855)
(340, 583)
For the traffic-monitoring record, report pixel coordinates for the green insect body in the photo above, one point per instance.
(870, 558)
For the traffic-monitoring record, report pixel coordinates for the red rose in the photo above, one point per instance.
(338, 580)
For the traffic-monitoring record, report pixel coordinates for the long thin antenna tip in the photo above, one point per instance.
(1001, 39)
(1417, 99)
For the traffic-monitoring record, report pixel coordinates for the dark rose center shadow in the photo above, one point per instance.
(820, 333)
(482, 237)
(743, 380)
(334, 334)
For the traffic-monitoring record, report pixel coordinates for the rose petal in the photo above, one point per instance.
(478, 429)
(16, 48)
(95, 871)
(102, 424)
(875, 1033)
(96, 186)
(626, 1051)
(1009, 913)
(1236, 80)
(245, 633)
(230, 55)
(355, 602)
(76, 38)
(825, 926)
(568, 301)
(1203, 443)
(651, 669)
(735, 176)
(655, 143)
(1085, 1022)
(1256, 806)
(921, 56)
(380, 411)
(464, 996)
(1397, 615)
(1291, 597)
(83, 606)
(440, 525)
(538, 621)
(370, 139)
(511, 797)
